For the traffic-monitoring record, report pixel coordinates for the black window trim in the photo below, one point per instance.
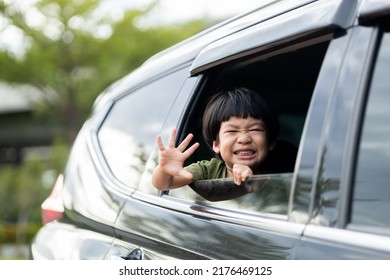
(308, 21)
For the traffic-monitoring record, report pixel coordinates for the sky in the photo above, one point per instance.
(170, 11)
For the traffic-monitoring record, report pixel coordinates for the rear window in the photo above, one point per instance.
(127, 135)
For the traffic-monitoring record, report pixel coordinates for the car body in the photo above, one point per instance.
(322, 64)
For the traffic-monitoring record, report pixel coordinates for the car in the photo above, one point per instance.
(323, 65)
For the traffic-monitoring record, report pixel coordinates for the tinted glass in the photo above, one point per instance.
(127, 136)
(264, 193)
(371, 198)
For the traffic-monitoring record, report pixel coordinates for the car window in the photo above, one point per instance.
(127, 135)
(288, 89)
(262, 193)
(371, 196)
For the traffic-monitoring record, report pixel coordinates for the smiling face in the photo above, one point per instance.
(243, 141)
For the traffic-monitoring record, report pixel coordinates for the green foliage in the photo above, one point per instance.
(23, 189)
(72, 53)
(9, 231)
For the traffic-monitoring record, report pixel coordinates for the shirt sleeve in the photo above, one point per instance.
(207, 169)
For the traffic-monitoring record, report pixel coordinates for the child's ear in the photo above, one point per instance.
(216, 148)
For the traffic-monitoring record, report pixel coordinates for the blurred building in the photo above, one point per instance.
(20, 130)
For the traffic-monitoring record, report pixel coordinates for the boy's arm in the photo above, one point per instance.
(164, 181)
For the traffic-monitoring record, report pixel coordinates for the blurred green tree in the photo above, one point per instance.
(23, 188)
(72, 51)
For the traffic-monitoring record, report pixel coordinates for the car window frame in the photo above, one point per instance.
(302, 22)
(282, 49)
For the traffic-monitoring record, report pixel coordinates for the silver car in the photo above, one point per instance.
(324, 65)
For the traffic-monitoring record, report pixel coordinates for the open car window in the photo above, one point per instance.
(286, 78)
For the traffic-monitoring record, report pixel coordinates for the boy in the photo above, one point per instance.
(240, 127)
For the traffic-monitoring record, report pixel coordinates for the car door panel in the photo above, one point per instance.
(63, 241)
(201, 231)
(337, 244)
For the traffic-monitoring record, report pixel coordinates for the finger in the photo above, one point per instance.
(172, 139)
(243, 176)
(237, 181)
(237, 178)
(159, 143)
(191, 150)
(183, 145)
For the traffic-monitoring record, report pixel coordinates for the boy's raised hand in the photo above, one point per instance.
(172, 158)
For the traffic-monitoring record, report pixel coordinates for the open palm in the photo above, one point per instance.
(172, 158)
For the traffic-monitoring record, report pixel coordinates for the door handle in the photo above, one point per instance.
(135, 255)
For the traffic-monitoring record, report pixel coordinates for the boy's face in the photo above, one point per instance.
(243, 141)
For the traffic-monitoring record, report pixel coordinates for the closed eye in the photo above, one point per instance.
(231, 131)
(257, 130)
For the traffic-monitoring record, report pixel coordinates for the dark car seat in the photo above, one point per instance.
(282, 158)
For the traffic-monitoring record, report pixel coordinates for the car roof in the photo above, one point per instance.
(212, 46)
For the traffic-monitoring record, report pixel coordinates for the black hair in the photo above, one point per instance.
(239, 102)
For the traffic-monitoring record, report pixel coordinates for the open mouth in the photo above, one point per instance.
(244, 153)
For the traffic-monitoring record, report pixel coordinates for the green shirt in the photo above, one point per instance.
(207, 169)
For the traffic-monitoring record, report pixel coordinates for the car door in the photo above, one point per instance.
(168, 226)
(352, 195)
